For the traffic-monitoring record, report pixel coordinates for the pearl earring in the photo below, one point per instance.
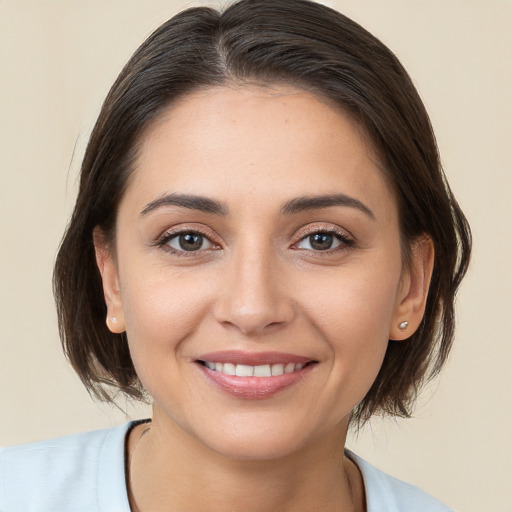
(112, 320)
(403, 325)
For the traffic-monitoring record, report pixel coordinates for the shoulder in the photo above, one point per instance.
(385, 493)
(70, 473)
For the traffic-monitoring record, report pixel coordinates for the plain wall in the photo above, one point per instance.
(57, 61)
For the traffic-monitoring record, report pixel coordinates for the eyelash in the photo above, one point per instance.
(164, 240)
(345, 241)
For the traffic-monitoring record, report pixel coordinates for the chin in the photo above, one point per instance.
(255, 448)
(261, 438)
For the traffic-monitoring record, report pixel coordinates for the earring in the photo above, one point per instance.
(112, 319)
(403, 325)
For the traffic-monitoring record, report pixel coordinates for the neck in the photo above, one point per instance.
(171, 470)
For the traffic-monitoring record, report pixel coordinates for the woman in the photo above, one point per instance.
(263, 245)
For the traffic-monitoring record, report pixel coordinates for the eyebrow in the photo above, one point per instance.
(192, 202)
(305, 203)
(296, 205)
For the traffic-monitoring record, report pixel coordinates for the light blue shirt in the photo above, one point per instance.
(85, 473)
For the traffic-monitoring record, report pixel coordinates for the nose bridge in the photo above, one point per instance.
(254, 298)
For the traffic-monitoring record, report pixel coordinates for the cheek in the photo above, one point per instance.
(352, 316)
(162, 309)
(353, 303)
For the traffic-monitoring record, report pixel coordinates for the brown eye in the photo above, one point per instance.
(320, 241)
(189, 242)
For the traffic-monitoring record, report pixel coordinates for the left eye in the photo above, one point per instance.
(189, 242)
(320, 241)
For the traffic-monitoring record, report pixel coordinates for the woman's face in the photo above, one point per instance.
(256, 235)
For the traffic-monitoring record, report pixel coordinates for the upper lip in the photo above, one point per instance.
(253, 358)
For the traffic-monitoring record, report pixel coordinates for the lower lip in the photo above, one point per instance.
(254, 388)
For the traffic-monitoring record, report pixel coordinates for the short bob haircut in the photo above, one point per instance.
(267, 42)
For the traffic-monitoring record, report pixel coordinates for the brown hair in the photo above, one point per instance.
(296, 42)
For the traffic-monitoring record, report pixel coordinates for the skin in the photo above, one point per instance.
(256, 284)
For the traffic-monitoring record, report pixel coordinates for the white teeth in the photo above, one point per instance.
(262, 371)
(289, 368)
(277, 369)
(228, 369)
(244, 370)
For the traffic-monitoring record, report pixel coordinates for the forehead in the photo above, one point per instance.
(251, 141)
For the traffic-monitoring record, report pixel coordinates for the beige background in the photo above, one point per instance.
(57, 60)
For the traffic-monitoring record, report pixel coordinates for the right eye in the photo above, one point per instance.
(186, 242)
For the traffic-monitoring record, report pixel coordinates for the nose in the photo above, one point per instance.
(254, 298)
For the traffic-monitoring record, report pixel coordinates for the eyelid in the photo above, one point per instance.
(177, 238)
(347, 240)
(163, 240)
(322, 227)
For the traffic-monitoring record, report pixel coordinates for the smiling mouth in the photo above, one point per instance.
(254, 375)
(263, 370)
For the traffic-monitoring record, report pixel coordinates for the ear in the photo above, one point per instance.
(105, 259)
(413, 290)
